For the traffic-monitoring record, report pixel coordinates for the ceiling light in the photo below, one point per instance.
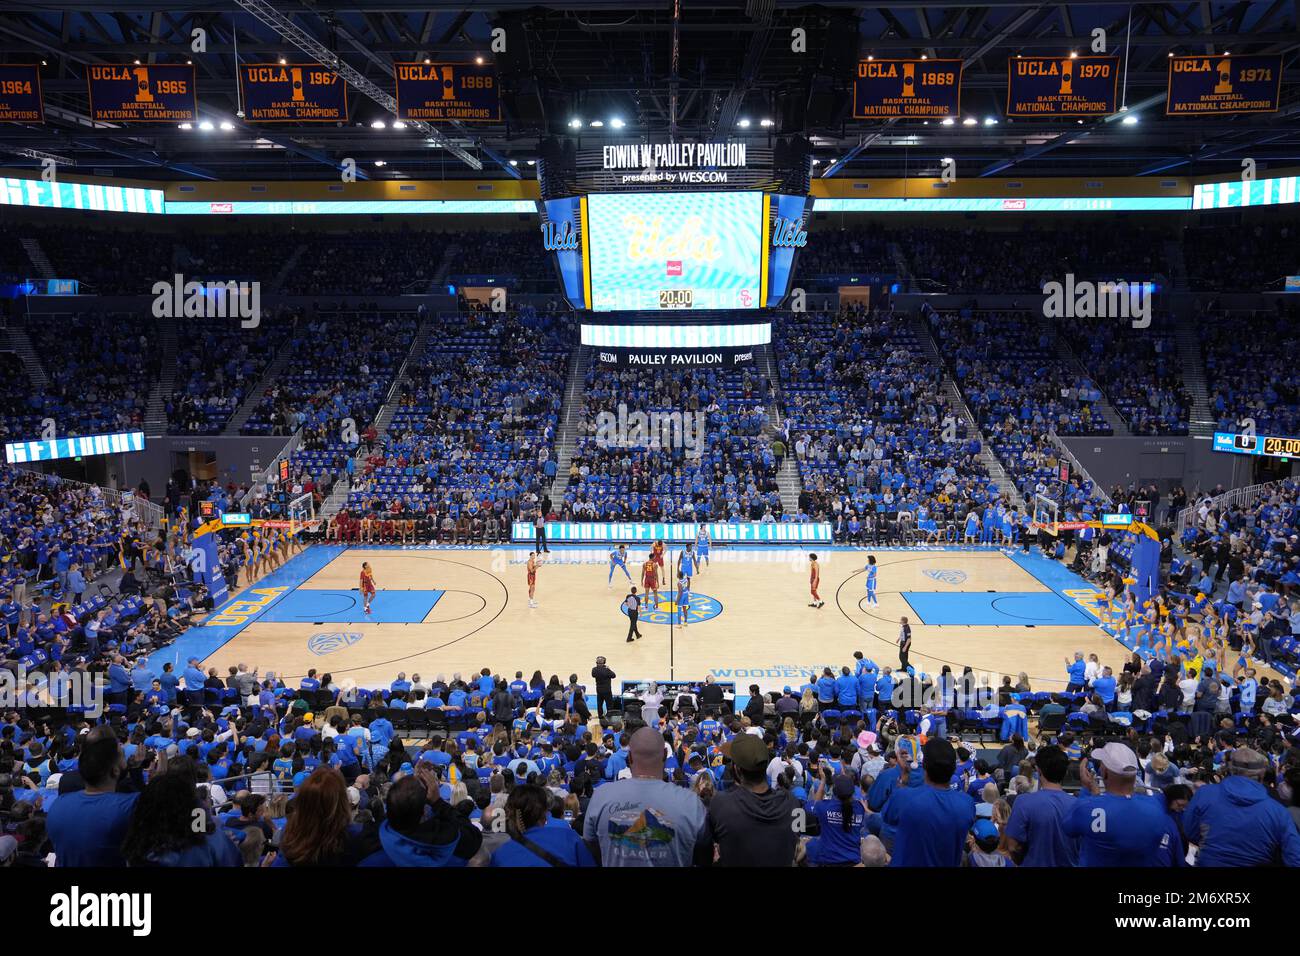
(478, 60)
(283, 61)
(924, 57)
(206, 125)
(969, 121)
(766, 123)
(1074, 55)
(398, 124)
(227, 125)
(948, 121)
(186, 126)
(137, 62)
(743, 124)
(532, 162)
(378, 124)
(381, 162)
(575, 123)
(514, 162)
(870, 58)
(427, 60)
(597, 123)
(617, 123)
(990, 121)
(1131, 120)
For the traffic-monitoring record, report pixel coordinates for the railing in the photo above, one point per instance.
(1237, 497)
(272, 473)
(1097, 490)
(150, 514)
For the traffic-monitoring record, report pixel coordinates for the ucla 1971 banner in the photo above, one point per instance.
(1223, 84)
(155, 93)
(1062, 86)
(678, 531)
(20, 93)
(439, 92)
(293, 93)
(926, 88)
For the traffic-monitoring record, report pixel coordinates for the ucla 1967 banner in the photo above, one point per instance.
(439, 92)
(20, 93)
(1223, 84)
(926, 88)
(1061, 85)
(157, 93)
(292, 93)
(679, 531)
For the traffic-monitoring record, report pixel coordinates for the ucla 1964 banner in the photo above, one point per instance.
(20, 93)
(1062, 86)
(157, 93)
(1223, 84)
(926, 88)
(439, 92)
(293, 93)
(678, 531)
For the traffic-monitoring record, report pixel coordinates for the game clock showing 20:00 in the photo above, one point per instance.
(676, 298)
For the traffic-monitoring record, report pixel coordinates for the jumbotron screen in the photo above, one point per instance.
(675, 250)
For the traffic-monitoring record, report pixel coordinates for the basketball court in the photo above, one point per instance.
(441, 610)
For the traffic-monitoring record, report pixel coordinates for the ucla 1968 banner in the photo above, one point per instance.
(157, 93)
(927, 88)
(678, 531)
(438, 92)
(1061, 85)
(20, 93)
(293, 93)
(1223, 84)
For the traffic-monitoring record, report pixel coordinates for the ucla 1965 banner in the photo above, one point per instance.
(926, 88)
(293, 93)
(20, 93)
(683, 531)
(439, 92)
(1061, 85)
(157, 93)
(1223, 84)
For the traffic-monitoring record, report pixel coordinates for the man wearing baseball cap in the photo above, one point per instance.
(1237, 822)
(1117, 827)
(751, 824)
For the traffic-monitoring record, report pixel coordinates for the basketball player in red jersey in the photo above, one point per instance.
(367, 584)
(814, 580)
(657, 553)
(650, 582)
(532, 578)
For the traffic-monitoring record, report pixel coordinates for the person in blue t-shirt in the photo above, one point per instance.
(87, 826)
(1077, 670)
(841, 818)
(1035, 833)
(930, 821)
(1117, 827)
(532, 842)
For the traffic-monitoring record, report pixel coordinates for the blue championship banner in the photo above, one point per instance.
(1061, 85)
(440, 92)
(1200, 85)
(926, 88)
(292, 93)
(157, 93)
(20, 94)
(680, 531)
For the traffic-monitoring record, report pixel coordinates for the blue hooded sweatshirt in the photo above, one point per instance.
(400, 850)
(1237, 823)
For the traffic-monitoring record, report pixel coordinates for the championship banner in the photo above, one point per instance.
(683, 531)
(1200, 85)
(1062, 86)
(155, 93)
(924, 88)
(20, 94)
(292, 93)
(676, 358)
(440, 92)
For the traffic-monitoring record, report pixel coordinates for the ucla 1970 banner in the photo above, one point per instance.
(152, 93)
(292, 93)
(1062, 85)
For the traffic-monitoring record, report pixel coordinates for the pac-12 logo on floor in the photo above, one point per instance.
(946, 575)
(328, 643)
(703, 608)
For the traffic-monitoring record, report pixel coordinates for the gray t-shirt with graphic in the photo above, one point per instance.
(644, 823)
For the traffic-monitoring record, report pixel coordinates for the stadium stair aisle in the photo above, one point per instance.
(579, 363)
(22, 347)
(1066, 354)
(1201, 423)
(258, 392)
(788, 482)
(40, 260)
(155, 415)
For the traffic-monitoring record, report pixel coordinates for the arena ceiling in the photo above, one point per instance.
(700, 69)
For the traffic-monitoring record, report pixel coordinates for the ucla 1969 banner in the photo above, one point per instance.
(1061, 85)
(157, 93)
(927, 88)
(439, 92)
(20, 93)
(1223, 84)
(292, 93)
(682, 531)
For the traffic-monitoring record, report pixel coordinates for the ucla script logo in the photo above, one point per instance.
(946, 575)
(322, 644)
(703, 608)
